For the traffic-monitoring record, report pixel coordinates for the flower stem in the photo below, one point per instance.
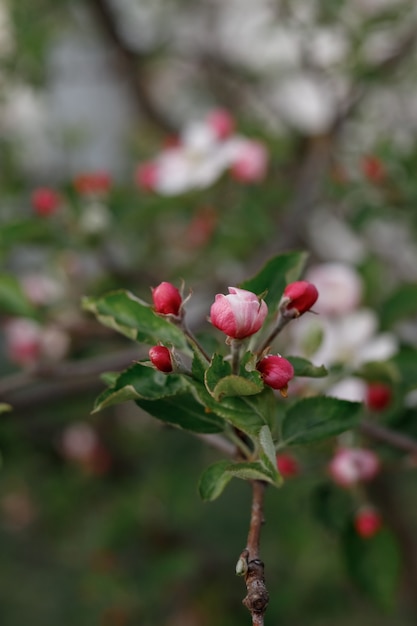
(281, 323)
(256, 600)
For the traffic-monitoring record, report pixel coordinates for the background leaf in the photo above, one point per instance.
(13, 300)
(275, 275)
(373, 564)
(311, 419)
(304, 367)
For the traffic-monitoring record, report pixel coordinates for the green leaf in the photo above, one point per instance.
(141, 382)
(213, 480)
(221, 383)
(312, 419)
(13, 300)
(406, 362)
(5, 408)
(379, 371)
(185, 411)
(303, 367)
(401, 304)
(234, 410)
(374, 565)
(275, 275)
(128, 315)
(217, 476)
(268, 453)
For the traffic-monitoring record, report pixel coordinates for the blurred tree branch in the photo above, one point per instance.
(132, 64)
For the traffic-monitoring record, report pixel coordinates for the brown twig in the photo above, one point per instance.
(257, 598)
(387, 435)
(132, 65)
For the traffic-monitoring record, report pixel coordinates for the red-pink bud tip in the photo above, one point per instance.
(299, 296)
(367, 522)
(167, 299)
(45, 201)
(378, 396)
(287, 465)
(275, 371)
(160, 357)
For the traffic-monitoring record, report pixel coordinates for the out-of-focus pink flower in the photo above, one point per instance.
(350, 466)
(367, 521)
(203, 152)
(275, 371)
(27, 342)
(23, 341)
(160, 357)
(93, 183)
(222, 122)
(239, 314)
(167, 299)
(45, 201)
(287, 465)
(298, 298)
(81, 444)
(250, 161)
(378, 396)
(339, 285)
(146, 175)
(41, 289)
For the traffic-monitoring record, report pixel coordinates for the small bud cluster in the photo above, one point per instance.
(239, 315)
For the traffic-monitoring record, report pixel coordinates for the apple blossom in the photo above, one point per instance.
(339, 285)
(167, 299)
(275, 371)
(221, 122)
(238, 314)
(250, 162)
(350, 466)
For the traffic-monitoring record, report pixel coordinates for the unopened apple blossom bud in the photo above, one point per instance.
(221, 122)
(45, 201)
(350, 466)
(367, 521)
(298, 298)
(146, 176)
(250, 163)
(287, 465)
(378, 396)
(167, 299)
(161, 358)
(239, 314)
(276, 371)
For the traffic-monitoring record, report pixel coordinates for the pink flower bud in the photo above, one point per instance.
(23, 341)
(378, 396)
(276, 371)
(167, 299)
(367, 522)
(298, 297)
(146, 175)
(221, 122)
(239, 314)
(45, 201)
(251, 162)
(352, 465)
(160, 357)
(287, 465)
